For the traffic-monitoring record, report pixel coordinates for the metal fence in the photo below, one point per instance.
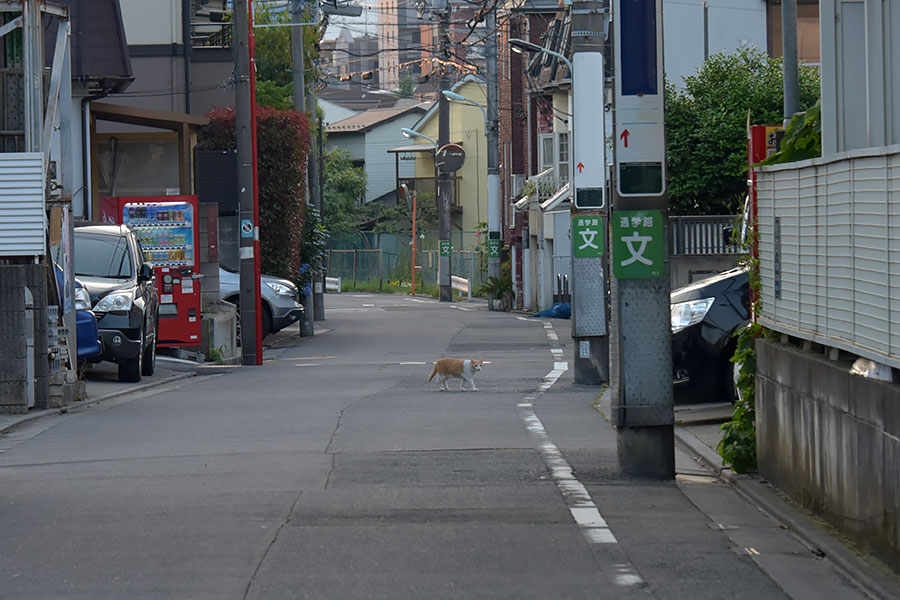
(703, 234)
(829, 255)
(383, 270)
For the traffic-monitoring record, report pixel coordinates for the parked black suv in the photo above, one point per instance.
(705, 317)
(110, 264)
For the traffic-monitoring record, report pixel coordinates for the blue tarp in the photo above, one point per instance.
(560, 310)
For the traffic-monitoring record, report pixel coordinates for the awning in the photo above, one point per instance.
(561, 195)
(414, 148)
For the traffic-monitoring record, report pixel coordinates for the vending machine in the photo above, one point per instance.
(168, 228)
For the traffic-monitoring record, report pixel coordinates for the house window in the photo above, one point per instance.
(545, 147)
(563, 165)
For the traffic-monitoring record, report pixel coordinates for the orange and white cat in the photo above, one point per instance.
(463, 369)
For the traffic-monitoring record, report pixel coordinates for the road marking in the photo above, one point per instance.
(557, 352)
(459, 307)
(313, 358)
(551, 335)
(414, 362)
(528, 319)
(368, 305)
(581, 506)
(420, 300)
(363, 296)
(309, 365)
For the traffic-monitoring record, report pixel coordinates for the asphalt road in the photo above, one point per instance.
(335, 471)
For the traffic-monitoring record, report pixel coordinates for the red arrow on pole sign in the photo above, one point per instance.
(580, 167)
(624, 136)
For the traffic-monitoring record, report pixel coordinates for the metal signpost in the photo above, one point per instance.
(588, 182)
(641, 384)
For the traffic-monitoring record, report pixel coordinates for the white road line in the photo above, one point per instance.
(551, 335)
(308, 365)
(527, 319)
(582, 508)
(459, 307)
(414, 362)
(368, 305)
(419, 300)
(362, 295)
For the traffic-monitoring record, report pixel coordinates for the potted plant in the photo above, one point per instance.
(499, 291)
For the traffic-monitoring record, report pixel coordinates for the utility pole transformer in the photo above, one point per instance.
(641, 383)
(249, 228)
(445, 183)
(587, 185)
(493, 147)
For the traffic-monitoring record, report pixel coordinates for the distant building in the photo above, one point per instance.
(368, 136)
(347, 57)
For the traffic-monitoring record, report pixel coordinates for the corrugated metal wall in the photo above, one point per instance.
(23, 219)
(830, 251)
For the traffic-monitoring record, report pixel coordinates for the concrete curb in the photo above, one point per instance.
(855, 567)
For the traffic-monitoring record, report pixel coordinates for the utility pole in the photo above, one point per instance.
(249, 286)
(298, 69)
(641, 337)
(789, 59)
(588, 183)
(493, 146)
(445, 183)
(315, 198)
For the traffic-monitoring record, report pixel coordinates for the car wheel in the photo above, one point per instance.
(149, 365)
(266, 321)
(131, 369)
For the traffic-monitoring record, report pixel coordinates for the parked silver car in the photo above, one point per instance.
(280, 299)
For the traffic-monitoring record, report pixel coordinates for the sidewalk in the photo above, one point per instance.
(698, 430)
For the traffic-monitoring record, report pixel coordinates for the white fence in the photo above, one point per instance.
(830, 251)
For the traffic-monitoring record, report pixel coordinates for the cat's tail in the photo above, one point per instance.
(433, 373)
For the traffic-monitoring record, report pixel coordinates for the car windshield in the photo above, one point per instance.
(102, 256)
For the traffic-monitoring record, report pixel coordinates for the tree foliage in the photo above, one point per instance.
(343, 189)
(706, 126)
(283, 144)
(398, 219)
(273, 47)
(802, 138)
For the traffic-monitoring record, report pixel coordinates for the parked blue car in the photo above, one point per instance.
(86, 334)
(87, 337)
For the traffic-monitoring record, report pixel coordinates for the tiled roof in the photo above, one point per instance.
(372, 117)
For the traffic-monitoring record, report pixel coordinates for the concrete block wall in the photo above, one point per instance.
(13, 281)
(831, 440)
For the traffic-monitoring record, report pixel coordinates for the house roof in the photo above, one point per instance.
(99, 50)
(373, 117)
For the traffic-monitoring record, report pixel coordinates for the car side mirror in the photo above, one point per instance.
(146, 273)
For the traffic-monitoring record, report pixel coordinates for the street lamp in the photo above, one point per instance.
(520, 46)
(411, 134)
(454, 97)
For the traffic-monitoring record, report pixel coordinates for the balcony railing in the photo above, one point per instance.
(211, 35)
(703, 234)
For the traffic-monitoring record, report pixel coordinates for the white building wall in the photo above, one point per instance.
(380, 164)
(154, 22)
(731, 25)
(354, 143)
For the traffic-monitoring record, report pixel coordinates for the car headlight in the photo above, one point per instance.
(685, 314)
(280, 288)
(82, 299)
(116, 301)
